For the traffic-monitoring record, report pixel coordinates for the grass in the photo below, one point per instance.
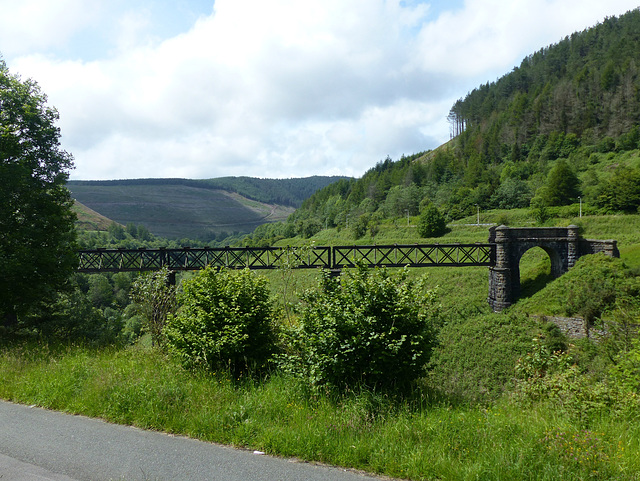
(463, 290)
(425, 436)
(89, 219)
(419, 438)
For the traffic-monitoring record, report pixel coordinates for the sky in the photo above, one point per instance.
(268, 88)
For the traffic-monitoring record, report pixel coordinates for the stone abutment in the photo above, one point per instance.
(563, 245)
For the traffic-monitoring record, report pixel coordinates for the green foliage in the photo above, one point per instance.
(288, 262)
(403, 200)
(432, 222)
(570, 92)
(626, 370)
(561, 187)
(74, 316)
(475, 356)
(621, 192)
(554, 379)
(512, 194)
(588, 290)
(226, 321)
(100, 292)
(37, 234)
(367, 329)
(360, 225)
(157, 300)
(309, 227)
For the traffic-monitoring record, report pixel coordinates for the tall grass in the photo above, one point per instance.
(423, 437)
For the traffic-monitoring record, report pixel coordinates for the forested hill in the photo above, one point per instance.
(561, 126)
(196, 209)
(287, 192)
(586, 85)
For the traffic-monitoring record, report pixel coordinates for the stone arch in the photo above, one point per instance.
(562, 244)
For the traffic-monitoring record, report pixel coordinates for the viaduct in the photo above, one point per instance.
(501, 254)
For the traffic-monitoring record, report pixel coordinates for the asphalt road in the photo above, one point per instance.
(37, 445)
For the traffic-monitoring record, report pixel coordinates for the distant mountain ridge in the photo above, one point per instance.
(197, 209)
(288, 192)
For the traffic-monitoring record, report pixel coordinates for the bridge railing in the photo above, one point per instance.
(414, 255)
(337, 257)
(115, 260)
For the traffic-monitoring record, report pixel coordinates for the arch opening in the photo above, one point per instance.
(536, 270)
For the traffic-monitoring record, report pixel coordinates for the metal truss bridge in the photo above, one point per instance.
(333, 258)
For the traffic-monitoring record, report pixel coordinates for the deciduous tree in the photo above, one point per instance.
(37, 234)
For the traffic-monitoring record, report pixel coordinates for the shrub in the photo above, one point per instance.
(598, 281)
(432, 223)
(553, 379)
(157, 300)
(626, 370)
(225, 322)
(73, 317)
(366, 329)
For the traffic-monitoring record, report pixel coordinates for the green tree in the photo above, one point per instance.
(100, 291)
(512, 194)
(432, 222)
(157, 299)
(622, 191)
(360, 226)
(37, 233)
(560, 188)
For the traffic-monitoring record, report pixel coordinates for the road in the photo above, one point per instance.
(39, 445)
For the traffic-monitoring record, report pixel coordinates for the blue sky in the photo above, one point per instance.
(268, 88)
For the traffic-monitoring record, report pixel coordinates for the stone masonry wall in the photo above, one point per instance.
(573, 327)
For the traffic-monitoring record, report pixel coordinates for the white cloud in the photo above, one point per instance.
(491, 35)
(31, 25)
(277, 88)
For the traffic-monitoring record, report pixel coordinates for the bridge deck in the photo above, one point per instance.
(337, 257)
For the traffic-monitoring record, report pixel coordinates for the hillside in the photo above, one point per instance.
(89, 219)
(563, 128)
(196, 209)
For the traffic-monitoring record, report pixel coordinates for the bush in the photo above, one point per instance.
(367, 329)
(626, 371)
(225, 322)
(72, 317)
(432, 223)
(555, 380)
(157, 300)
